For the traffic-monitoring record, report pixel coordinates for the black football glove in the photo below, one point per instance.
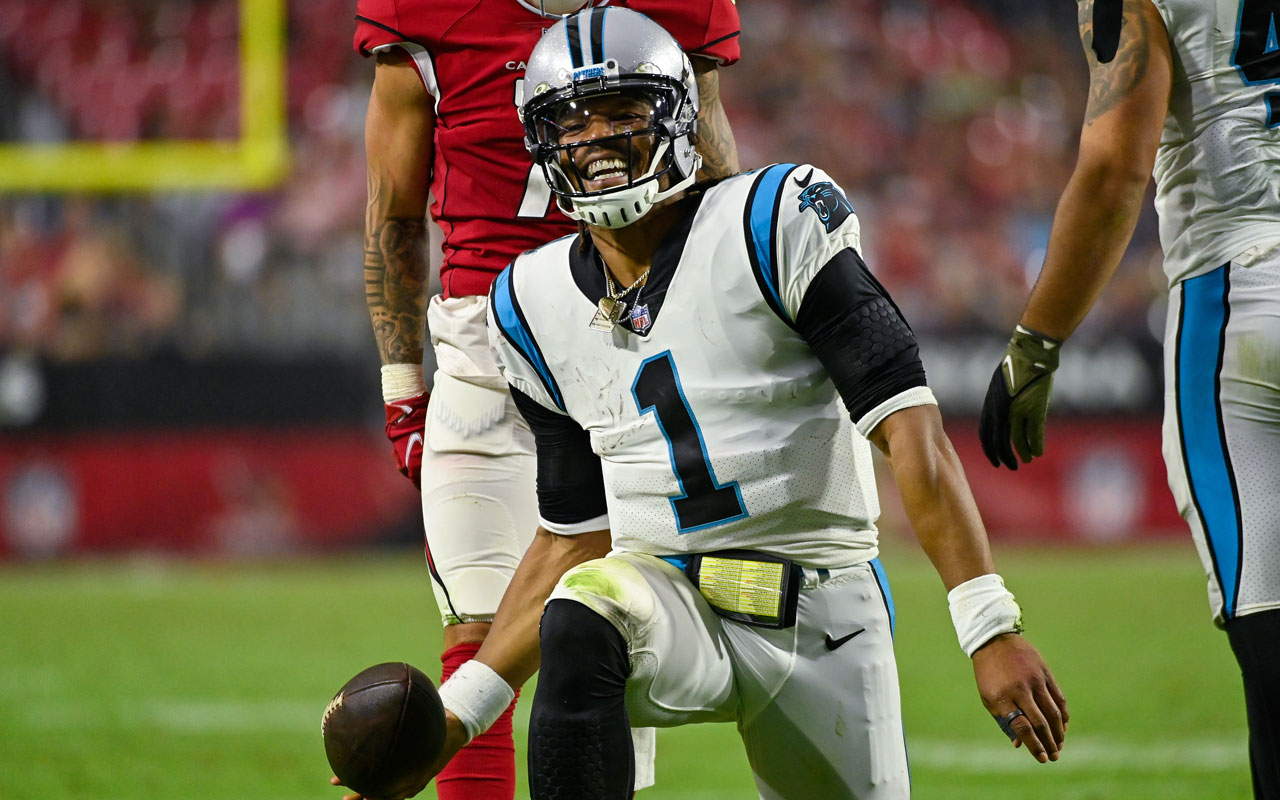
(1018, 399)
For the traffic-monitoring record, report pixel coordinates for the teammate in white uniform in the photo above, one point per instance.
(689, 367)
(1192, 90)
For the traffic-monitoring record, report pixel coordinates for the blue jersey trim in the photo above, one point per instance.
(679, 562)
(1200, 343)
(512, 325)
(761, 220)
(882, 580)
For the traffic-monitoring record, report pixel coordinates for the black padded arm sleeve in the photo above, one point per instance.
(570, 483)
(858, 334)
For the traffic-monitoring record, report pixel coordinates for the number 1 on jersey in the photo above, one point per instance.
(1257, 51)
(704, 501)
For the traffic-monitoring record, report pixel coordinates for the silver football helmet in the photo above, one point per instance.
(619, 66)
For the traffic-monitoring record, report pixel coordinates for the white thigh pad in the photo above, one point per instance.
(479, 514)
(468, 418)
(474, 546)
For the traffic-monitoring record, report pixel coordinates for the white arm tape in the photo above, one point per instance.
(981, 609)
(401, 381)
(477, 696)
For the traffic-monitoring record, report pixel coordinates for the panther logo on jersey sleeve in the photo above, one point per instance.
(828, 202)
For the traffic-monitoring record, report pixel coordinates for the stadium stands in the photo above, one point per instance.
(951, 123)
(951, 127)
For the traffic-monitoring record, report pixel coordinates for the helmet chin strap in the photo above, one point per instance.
(619, 211)
(620, 208)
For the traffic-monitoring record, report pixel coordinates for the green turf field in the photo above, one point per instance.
(143, 679)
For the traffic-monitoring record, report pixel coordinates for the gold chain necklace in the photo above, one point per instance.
(611, 307)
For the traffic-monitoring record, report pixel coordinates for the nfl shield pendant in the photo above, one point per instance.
(640, 319)
(608, 314)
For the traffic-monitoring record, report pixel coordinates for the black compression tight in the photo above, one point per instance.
(1255, 639)
(579, 737)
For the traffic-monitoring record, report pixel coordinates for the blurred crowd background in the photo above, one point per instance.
(952, 124)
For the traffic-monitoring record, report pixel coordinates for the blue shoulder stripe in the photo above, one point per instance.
(515, 328)
(760, 221)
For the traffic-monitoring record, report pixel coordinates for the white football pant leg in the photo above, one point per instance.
(480, 512)
(815, 722)
(1222, 428)
(617, 589)
(834, 729)
(479, 505)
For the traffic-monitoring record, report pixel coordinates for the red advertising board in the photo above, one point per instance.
(253, 493)
(220, 492)
(1100, 480)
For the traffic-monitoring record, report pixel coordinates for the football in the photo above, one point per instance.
(383, 730)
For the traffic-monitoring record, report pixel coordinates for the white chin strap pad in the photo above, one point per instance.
(618, 209)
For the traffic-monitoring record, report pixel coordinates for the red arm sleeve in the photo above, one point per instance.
(707, 28)
(377, 24)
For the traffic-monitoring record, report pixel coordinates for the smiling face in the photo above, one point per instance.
(610, 148)
(607, 140)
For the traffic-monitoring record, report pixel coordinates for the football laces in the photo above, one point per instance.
(334, 705)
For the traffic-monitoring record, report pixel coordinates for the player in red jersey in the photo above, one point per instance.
(442, 119)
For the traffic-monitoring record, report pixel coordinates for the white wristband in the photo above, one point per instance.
(981, 609)
(401, 381)
(477, 696)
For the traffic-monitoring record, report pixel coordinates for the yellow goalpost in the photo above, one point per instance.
(259, 159)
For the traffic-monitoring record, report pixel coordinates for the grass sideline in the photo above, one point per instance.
(169, 679)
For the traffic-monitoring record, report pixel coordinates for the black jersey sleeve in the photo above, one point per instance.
(570, 481)
(858, 334)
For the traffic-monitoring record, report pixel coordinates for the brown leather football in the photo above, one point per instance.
(383, 730)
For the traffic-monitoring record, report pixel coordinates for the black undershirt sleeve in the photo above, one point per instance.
(858, 334)
(570, 482)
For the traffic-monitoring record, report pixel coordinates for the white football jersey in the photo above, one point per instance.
(719, 428)
(1218, 168)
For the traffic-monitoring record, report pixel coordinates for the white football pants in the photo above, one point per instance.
(817, 722)
(479, 505)
(1222, 428)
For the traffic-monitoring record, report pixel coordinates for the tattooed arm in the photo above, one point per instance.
(714, 139)
(398, 146)
(1128, 101)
